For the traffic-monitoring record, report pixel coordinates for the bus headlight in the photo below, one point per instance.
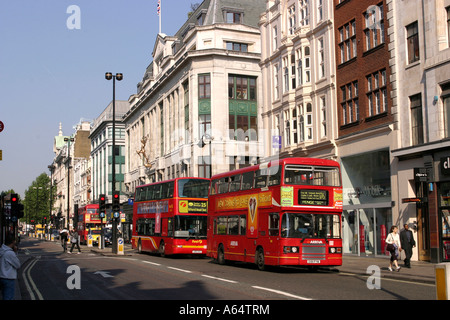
(290, 249)
(335, 250)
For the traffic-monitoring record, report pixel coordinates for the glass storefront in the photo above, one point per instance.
(444, 213)
(367, 214)
(365, 230)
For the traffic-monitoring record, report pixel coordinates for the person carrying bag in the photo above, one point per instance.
(394, 247)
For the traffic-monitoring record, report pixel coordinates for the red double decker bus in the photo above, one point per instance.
(285, 212)
(170, 217)
(89, 222)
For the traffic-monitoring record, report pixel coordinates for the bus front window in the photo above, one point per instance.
(302, 225)
(190, 226)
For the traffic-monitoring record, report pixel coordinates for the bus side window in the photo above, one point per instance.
(247, 180)
(274, 222)
(274, 175)
(243, 225)
(214, 187)
(261, 179)
(235, 183)
(223, 186)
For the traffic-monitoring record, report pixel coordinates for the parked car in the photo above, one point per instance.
(108, 237)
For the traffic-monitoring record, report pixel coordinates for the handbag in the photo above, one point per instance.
(390, 247)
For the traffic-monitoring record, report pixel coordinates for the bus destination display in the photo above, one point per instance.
(313, 197)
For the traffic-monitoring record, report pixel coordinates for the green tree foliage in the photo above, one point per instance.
(37, 199)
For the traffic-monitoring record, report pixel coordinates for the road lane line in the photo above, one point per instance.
(221, 279)
(182, 270)
(282, 293)
(153, 263)
(29, 283)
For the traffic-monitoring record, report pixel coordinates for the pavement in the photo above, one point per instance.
(420, 271)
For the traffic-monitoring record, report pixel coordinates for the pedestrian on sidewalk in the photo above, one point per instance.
(64, 236)
(394, 247)
(9, 264)
(74, 239)
(407, 242)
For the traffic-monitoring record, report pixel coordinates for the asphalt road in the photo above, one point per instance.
(50, 274)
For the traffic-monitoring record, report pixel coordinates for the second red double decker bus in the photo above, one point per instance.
(286, 212)
(89, 223)
(169, 217)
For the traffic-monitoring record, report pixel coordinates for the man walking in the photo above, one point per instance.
(9, 263)
(407, 243)
(74, 239)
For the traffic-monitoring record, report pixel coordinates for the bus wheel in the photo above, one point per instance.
(220, 255)
(162, 249)
(139, 246)
(260, 259)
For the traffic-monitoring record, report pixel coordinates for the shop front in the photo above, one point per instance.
(367, 215)
(443, 187)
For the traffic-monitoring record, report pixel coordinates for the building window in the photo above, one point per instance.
(241, 87)
(299, 67)
(377, 92)
(416, 119)
(319, 10)
(287, 129)
(323, 107)
(204, 123)
(448, 25)
(321, 58)
(274, 38)
(412, 33)
(233, 17)
(291, 19)
(294, 125)
(204, 167)
(236, 46)
(186, 111)
(374, 27)
(285, 74)
(347, 41)
(307, 66)
(446, 106)
(304, 12)
(244, 117)
(350, 103)
(276, 89)
(204, 86)
(309, 122)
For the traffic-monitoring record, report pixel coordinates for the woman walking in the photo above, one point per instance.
(393, 246)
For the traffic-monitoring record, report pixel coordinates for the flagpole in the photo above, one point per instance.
(159, 14)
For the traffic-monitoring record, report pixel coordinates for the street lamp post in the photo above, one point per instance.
(119, 77)
(68, 140)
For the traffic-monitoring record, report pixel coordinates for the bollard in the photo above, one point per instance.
(90, 241)
(120, 246)
(442, 281)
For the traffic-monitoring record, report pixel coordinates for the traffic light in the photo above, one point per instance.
(20, 213)
(116, 202)
(14, 205)
(102, 204)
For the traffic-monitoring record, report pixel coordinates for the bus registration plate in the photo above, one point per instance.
(196, 251)
(313, 261)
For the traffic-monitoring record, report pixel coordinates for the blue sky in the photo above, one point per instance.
(50, 73)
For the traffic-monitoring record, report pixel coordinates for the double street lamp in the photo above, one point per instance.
(119, 77)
